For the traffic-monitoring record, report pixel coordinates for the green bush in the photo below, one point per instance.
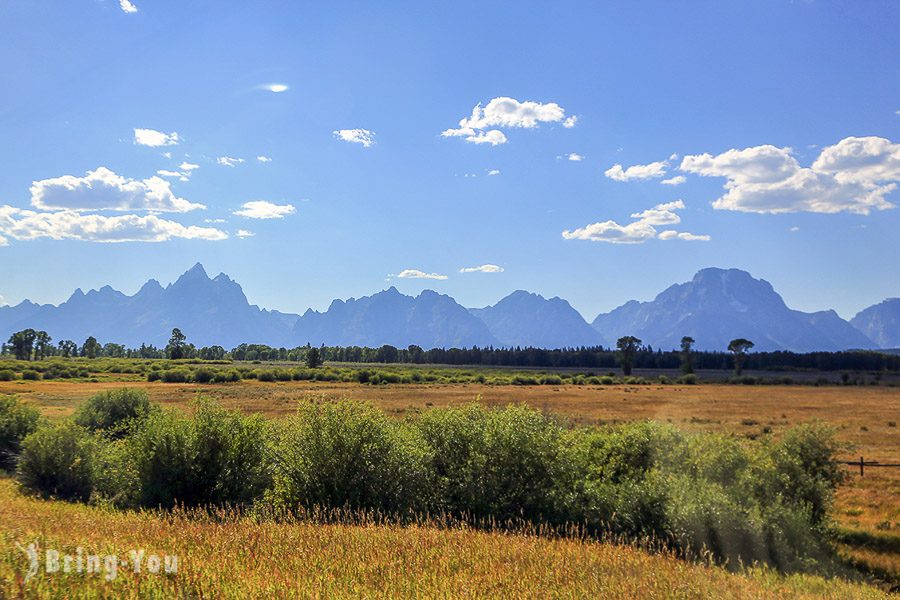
(267, 376)
(176, 376)
(216, 457)
(17, 421)
(501, 464)
(7, 375)
(689, 379)
(112, 411)
(203, 375)
(31, 375)
(348, 454)
(228, 376)
(57, 461)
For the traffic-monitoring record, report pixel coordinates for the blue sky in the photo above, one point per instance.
(119, 120)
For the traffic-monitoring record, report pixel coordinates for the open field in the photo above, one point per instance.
(867, 508)
(233, 558)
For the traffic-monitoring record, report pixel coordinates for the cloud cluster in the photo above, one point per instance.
(484, 124)
(26, 225)
(102, 189)
(154, 138)
(855, 175)
(417, 274)
(482, 269)
(262, 209)
(640, 230)
(356, 136)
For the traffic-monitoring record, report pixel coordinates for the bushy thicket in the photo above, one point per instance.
(113, 411)
(741, 501)
(17, 421)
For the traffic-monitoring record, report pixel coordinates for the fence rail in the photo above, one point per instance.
(862, 464)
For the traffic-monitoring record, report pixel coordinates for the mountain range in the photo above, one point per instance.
(716, 306)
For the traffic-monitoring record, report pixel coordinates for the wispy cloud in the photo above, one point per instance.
(356, 136)
(493, 172)
(263, 159)
(243, 233)
(677, 180)
(482, 269)
(127, 6)
(417, 274)
(228, 161)
(262, 209)
(575, 157)
(276, 88)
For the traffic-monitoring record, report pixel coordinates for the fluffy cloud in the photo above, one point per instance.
(575, 157)
(227, 161)
(243, 233)
(356, 136)
(417, 274)
(127, 6)
(261, 209)
(482, 269)
(854, 175)
(493, 172)
(103, 189)
(654, 169)
(677, 180)
(263, 159)
(153, 138)
(22, 224)
(638, 231)
(186, 166)
(507, 113)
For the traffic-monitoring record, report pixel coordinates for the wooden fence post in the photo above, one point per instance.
(861, 466)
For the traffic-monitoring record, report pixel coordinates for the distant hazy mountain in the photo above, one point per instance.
(208, 311)
(526, 319)
(881, 323)
(719, 305)
(429, 320)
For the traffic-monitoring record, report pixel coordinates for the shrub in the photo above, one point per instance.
(689, 379)
(503, 464)
(31, 375)
(216, 457)
(203, 375)
(551, 380)
(154, 375)
(17, 421)
(176, 376)
(348, 454)
(57, 461)
(268, 376)
(7, 375)
(112, 411)
(231, 375)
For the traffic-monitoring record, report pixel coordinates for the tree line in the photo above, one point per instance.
(630, 353)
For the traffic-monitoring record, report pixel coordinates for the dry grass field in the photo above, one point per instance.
(867, 507)
(233, 558)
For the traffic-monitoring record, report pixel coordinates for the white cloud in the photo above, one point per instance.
(261, 209)
(654, 169)
(227, 161)
(356, 136)
(127, 6)
(494, 172)
(2, 299)
(482, 269)
(153, 138)
(638, 231)
(29, 225)
(854, 175)
(263, 159)
(215, 221)
(794, 229)
(167, 173)
(417, 274)
(186, 166)
(573, 156)
(167, 155)
(102, 189)
(504, 112)
(677, 180)
(274, 87)
(670, 234)
(243, 233)
(3, 241)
